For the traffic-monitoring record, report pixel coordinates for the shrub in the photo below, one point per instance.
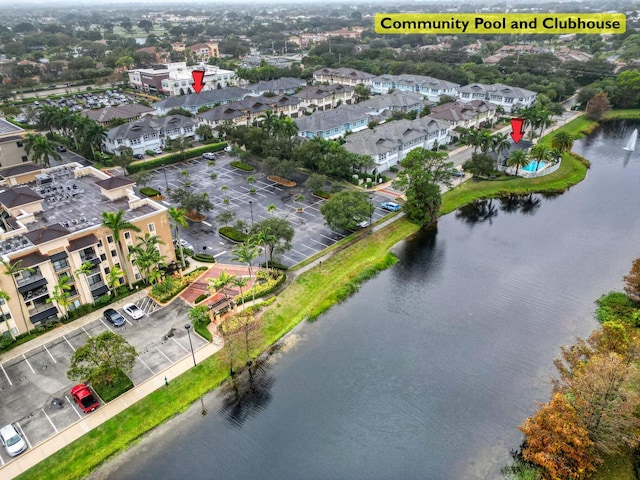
(201, 297)
(121, 383)
(149, 192)
(211, 163)
(617, 307)
(275, 265)
(150, 152)
(242, 166)
(174, 158)
(204, 257)
(322, 194)
(394, 169)
(233, 234)
(170, 287)
(213, 176)
(268, 282)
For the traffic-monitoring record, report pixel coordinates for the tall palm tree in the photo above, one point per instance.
(115, 222)
(473, 137)
(240, 282)
(562, 141)
(500, 143)
(485, 141)
(221, 283)
(113, 279)
(12, 271)
(245, 252)
(544, 119)
(85, 269)
(540, 153)
(40, 149)
(94, 134)
(5, 297)
(178, 217)
(61, 294)
(530, 116)
(518, 158)
(147, 255)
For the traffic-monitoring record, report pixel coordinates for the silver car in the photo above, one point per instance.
(133, 311)
(12, 440)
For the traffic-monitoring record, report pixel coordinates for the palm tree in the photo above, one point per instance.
(246, 252)
(40, 149)
(221, 283)
(518, 158)
(540, 153)
(179, 219)
(473, 137)
(531, 117)
(544, 119)
(240, 282)
(500, 143)
(61, 295)
(562, 141)
(4, 296)
(113, 279)
(12, 271)
(485, 141)
(117, 224)
(85, 269)
(147, 255)
(94, 134)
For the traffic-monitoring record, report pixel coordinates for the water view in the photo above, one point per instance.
(430, 368)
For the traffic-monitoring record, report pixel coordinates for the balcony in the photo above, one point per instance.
(43, 312)
(31, 283)
(33, 294)
(98, 288)
(94, 259)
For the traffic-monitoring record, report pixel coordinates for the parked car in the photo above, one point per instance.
(209, 156)
(390, 206)
(363, 224)
(158, 151)
(457, 173)
(12, 441)
(133, 311)
(113, 317)
(184, 244)
(139, 156)
(60, 148)
(227, 148)
(53, 85)
(84, 398)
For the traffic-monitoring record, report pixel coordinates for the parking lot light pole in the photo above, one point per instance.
(370, 209)
(188, 327)
(166, 183)
(251, 208)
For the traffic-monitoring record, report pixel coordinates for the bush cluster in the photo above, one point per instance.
(174, 158)
(204, 257)
(201, 297)
(242, 166)
(267, 282)
(120, 384)
(149, 192)
(170, 287)
(233, 234)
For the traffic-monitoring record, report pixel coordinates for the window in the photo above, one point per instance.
(114, 253)
(151, 227)
(93, 279)
(19, 144)
(60, 264)
(138, 276)
(110, 239)
(100, 243)
(127, 235)
(107, 270)
(62, 275)
(24, 158)
(103, 257)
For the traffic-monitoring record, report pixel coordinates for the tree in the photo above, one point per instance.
(178, 217)
(632, 281)
(479, 164)
(540, 153)
(147, 256)
(85, 269)
(221, 283)
(557, 441)
(246, 252)
(40, 149)
(204, 131)
(275, 234)
(61, 294)
(146, 25)
(113, 279)
(346, 209)
(361, 92)
(500, 143)
(562, 141)
(199, 316)
(423, 173)
(195, 204)
(518, 158)
(102, 358)
(115, 222)
(597, 106)
(12, 270)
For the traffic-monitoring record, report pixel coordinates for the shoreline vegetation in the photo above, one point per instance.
(307, 297)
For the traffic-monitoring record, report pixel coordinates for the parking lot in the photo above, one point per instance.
(311, 233)
(35, 388)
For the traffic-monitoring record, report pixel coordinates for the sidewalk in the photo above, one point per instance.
(47, 448)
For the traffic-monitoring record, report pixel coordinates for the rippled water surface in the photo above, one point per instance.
(429, 369)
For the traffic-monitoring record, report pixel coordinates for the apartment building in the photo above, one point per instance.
(389, 143)
(244, 112)
(51, 224)
(431, 88)
(148, 133)
(324, 97)
(509, 98)
(205, 51)
(11, 144)
(344, 76)
(465, 114)
(334, 123)
(280, 86)
(195, 101)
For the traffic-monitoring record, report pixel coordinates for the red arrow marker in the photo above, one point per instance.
(516, 126)
(197, 75)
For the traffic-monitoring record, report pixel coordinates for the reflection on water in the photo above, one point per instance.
(486, 210)
(248, 393)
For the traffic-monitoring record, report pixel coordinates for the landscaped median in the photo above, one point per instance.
(309, 295)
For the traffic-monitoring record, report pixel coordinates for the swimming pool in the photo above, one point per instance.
(532, 166)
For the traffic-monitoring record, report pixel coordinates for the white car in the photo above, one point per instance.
(209, 156)
(158, 151)
(12, 440)
(185, 244)
(133, 311)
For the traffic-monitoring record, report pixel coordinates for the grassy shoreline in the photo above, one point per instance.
(308, 296)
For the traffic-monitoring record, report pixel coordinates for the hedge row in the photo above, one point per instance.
(272, 281)
(242, 166)
(174, 158)
(170, 287)
(200, 298)
(149, 192)
(204, 257)
(233, 234)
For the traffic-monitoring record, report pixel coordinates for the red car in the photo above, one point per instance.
(83, 397)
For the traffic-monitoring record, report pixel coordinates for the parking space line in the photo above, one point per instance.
(1, 462)
(88, 334)
(127, 320)
(103, 322)
(218, 254)
(24, 435)
(5, 374)
(65, 339)
(206, 223)
(45, 414)
(25, 359)
(148, 368)
(179, 344)
(47, 350)
(73, 407)
(162, 353)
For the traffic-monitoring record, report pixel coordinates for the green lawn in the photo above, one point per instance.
(628, 114)
(615, 468)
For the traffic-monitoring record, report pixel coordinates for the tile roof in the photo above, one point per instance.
(150, 124)
(422, 81)
(19, 169)
(206, 98)
(31, 260)
(322, 91)
(126, 111)
(46, 234)
(82, 242)
(328, 119)
(344, 72)
(112, 183)
(497, 89)
(279, 85)
(14, 197)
